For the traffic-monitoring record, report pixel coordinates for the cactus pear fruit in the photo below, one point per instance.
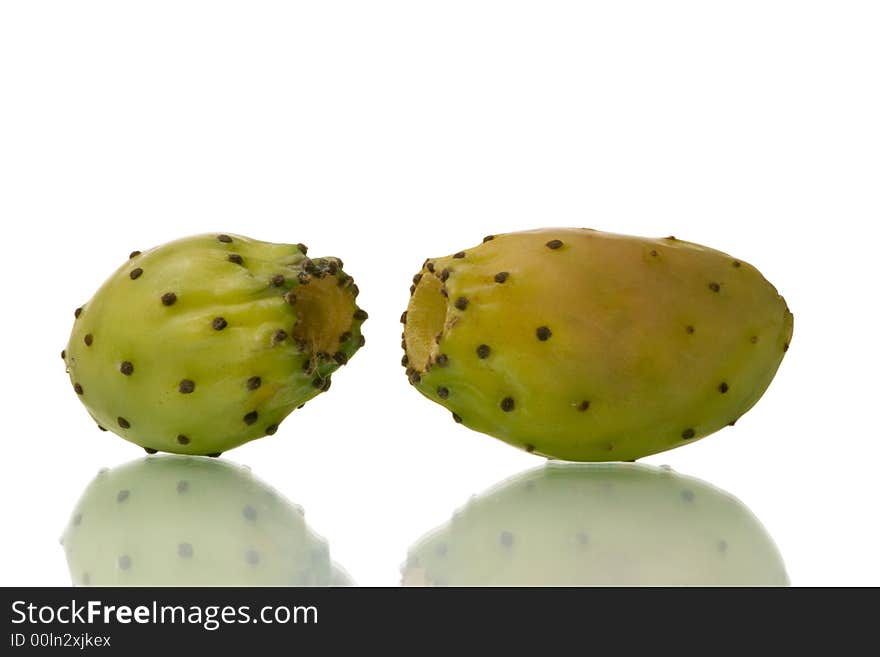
(568, 524)
(210, 341)
(588, 346)
(191, 521)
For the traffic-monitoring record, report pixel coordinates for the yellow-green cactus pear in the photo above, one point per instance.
(191, 521)
(589, 346)
(210, 341)
(568, 524)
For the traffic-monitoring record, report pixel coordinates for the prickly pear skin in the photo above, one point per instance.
(190, 521)
(210, 341)
(568, 524)
(589, 346)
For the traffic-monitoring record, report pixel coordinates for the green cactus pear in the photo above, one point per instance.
(567, 524)
(208, 342)
(191, 521)
(589, 346)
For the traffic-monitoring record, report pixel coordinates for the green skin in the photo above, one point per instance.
(191, 521)
(253, 330)
(567, 524)
(589, 346)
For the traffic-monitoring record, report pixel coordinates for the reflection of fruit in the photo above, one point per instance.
(190, 521)
(205, 343)
(566, 524)
(590, 346)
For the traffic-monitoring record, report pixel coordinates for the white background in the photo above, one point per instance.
(387, 132)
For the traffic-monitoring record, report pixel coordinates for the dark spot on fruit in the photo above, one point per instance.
(723, 387)
(250, 418)
(461, 303)
(63, 354)
(444, 291)
(249, 512)
(715, 287)
(133, 254)
(443, 392)
(456, 417)
(88, 339)
(361, 341)
(731, 423)
(442, 360)
(124, 562)
(687, 434)
(360, 315)
(234, 257)
(754, 339)
(224, 238)
(416, 279)
(584, 405)
(218, 324)
(507, 404)
(654, 253)
(412, 290)
(460, 254)
(77, 388)
(785, 347)
(689, 329)
(214, 455)
(289, 297)
(279, 336)
(77, 312)
(182, 486)
(182, 440)
(430, 267)
(345, 280)
(340, 358)
(122, 495)
(101, 428)
(345, 337)
(543, 333)
(135, 273)
(671, 238)
(254, 382)
(415, 377)
(501, 276)
(737, 263)
(186, 386)
(488, 238)
(185, 550)
(271, 429)
(277, 280)
(554, 244)
(405, 360)
(403, 318)
(122, 422)
(529, 447)
(169, 298)
(303, 278)
(126, 367)
(444, 275)
(303, 248)
(150, 450)
(483, 351)
(505, 538)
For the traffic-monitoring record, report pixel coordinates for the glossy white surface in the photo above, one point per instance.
(387, 132)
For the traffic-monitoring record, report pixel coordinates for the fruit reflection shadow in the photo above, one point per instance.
(621, 524)
(192, 521)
